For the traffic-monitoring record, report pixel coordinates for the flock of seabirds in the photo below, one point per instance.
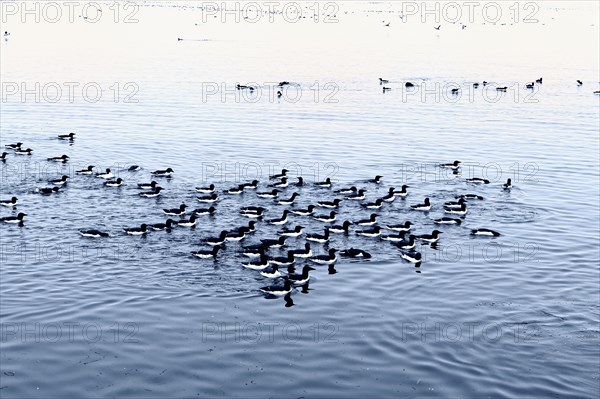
(262, 258)
(455, 91)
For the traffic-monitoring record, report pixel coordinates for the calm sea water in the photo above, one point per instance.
(515, 316)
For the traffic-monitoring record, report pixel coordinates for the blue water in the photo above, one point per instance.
(513, 316)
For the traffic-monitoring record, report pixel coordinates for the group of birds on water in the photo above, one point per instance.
(456, 91)
(262, 259)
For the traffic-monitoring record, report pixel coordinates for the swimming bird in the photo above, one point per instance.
(20, 151)
(403, 192)
(93, 233)
(250, 186)
(390, 197)
(62, 158)
(376, 180)
(268, 194)
(151, 194)
(176, 211)
(392, 237)
(283, 173)
(406, 243)
(502, 88)
(470, 196)
(367, 222)
(137, 231)
(454, 165)
(530, 85)
(326, 218)
(318, 237)
(330, 204)
(295, 232)
(359, 195)
(430, 238)
(271, 271)
(478, 180)
(253, 213)
(235, 190)
(251, 228)
(303, 253)
(304, 212)
(539, 81)
(284, 83)
(324, 184)
(475, 85)
(260, 264)
(11, 202)
(70, 136)
(288, 201)
(238, 235)
(106, 175)
(87, 171)
(374, 232)
(457, 211)
(447, 220)
(282, 220)
(163, 173)
(302, 278)
(191, 222)
(14, 146)
(252, 251)
(355, 253)
(208, 198)
(300, 182)
(147, 186)
(579, 82)
(133, 168)
(13, 219)
(409, 84)
(207, 254)
(485, 232)
(204, 211)
(383, 81)
(374, 205)
(328, 259)
(386, 89)
(350, 190)
(344, 228)
(114, 183)
(163, 226)
(278, 289)
(454, 204)
(274, 243)
(283, 183)
(412, 256)
(204, 190)
(283, 261)
(507, 185)
(3, 156)
(59, 182)
(279, 94)
(425, 206)
(406, 226)
(217, 240)
(48, 190)
(454, 91)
